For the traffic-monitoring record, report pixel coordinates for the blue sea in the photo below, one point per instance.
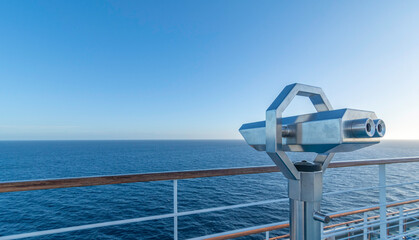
(23, 212)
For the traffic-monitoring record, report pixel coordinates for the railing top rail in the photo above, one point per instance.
(164, 176)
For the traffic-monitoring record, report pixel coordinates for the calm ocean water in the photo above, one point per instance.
(47, 209)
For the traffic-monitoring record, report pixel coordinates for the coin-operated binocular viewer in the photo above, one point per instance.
(326, 132)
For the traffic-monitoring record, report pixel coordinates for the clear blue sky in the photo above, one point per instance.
(199, 69)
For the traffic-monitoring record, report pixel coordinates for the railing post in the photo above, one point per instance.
(175, 210)
(365, 226)
(401, 222)
(383, 201)
(267, 235)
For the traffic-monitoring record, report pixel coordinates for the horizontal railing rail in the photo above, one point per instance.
(18, 186)
(333, 216)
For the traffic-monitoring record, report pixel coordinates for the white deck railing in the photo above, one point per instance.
(378, 225)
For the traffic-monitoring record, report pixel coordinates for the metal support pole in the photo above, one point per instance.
(365, 226)
(175, 211)
(267, 235)
(401, 222)
(305, 196)
(383, 201)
